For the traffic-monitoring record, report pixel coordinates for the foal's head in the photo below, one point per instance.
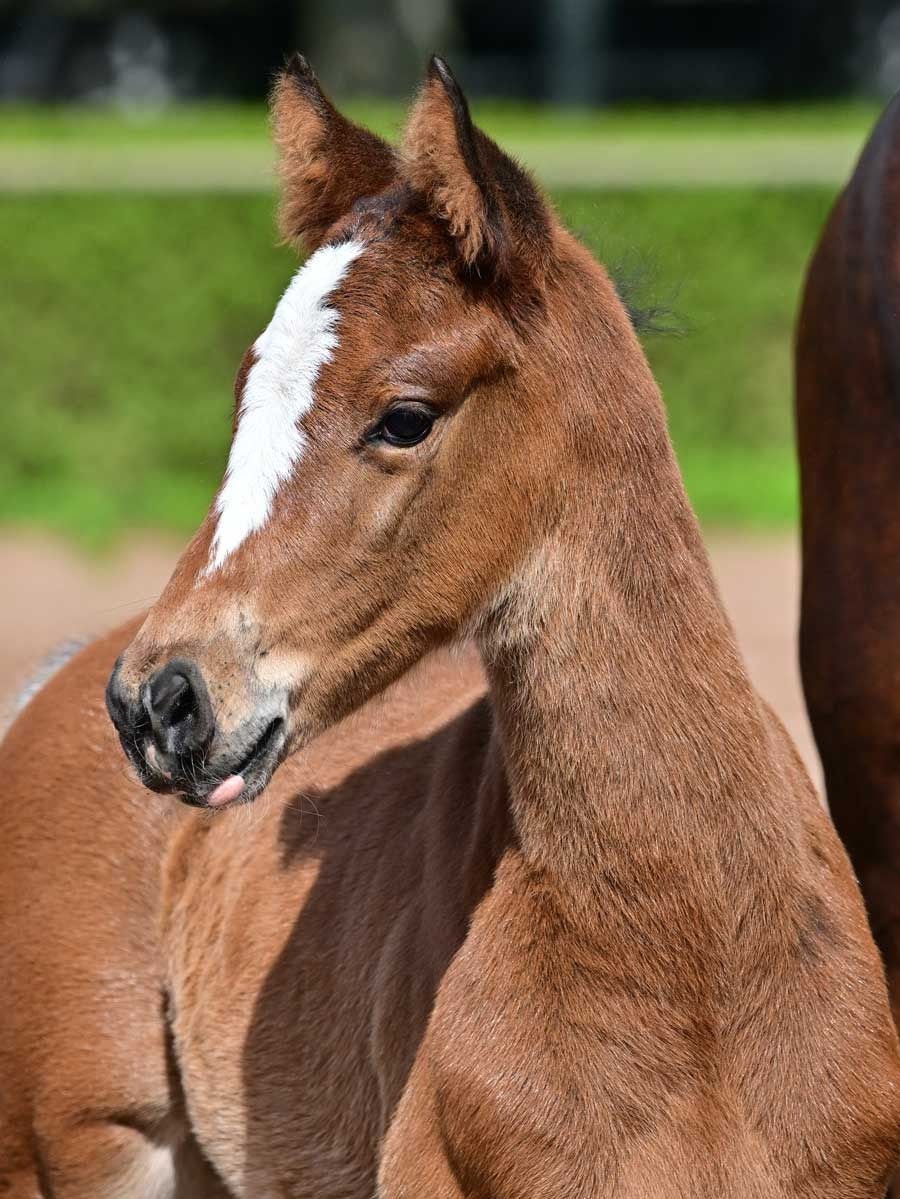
(403, 429)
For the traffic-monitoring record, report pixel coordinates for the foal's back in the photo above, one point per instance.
(90, 1105)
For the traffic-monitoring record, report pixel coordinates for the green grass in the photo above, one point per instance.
(210, 148)
(123, 319)
(22, 123)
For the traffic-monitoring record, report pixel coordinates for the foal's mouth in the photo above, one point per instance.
(220, 780)
(251, 773)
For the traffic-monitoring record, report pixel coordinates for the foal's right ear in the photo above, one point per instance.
(326, 162)
(488, 203)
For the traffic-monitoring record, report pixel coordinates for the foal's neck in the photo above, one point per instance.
(633, 744)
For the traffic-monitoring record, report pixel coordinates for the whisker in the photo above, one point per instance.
(149, 599)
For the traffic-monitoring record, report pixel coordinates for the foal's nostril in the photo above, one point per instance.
(168, 697)
(177, 705)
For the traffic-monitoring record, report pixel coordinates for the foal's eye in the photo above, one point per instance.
(405, 425)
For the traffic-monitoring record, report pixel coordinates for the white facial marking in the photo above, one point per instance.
(280, 387)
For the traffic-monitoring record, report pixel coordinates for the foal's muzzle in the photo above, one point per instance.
(168, 730)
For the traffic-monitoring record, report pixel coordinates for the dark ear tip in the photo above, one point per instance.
(301, 74)
(439, 69)
(297, 64)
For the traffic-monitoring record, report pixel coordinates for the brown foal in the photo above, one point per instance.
(588, 933)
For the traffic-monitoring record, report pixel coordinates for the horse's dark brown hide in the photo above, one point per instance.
(848, 428)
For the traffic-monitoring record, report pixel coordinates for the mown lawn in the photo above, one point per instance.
(123, 318)
(87, 124)
(226, 147)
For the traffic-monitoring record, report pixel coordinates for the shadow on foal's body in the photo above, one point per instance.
(592, 935)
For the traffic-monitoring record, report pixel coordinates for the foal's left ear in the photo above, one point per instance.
(489, 203)
(326, 162)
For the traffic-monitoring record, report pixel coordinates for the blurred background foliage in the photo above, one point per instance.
(127, 316)
(696, 145)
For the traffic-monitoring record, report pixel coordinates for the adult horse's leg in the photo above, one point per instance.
(848, 426)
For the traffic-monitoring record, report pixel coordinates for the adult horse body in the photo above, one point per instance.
(589, 935)
(848, 427)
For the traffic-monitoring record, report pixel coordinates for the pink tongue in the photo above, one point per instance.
(226, 792)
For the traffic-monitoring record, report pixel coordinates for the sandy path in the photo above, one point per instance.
(51, 593)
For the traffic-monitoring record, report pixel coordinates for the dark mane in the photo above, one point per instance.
(636, 278)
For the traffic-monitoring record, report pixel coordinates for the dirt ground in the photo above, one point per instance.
(51, 594)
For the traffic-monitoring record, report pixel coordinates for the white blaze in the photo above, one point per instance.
(280, 387)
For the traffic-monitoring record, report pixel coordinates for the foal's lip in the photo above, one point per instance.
(250, 775)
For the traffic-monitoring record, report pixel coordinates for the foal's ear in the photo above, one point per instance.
(326, 162)
(490, 204)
